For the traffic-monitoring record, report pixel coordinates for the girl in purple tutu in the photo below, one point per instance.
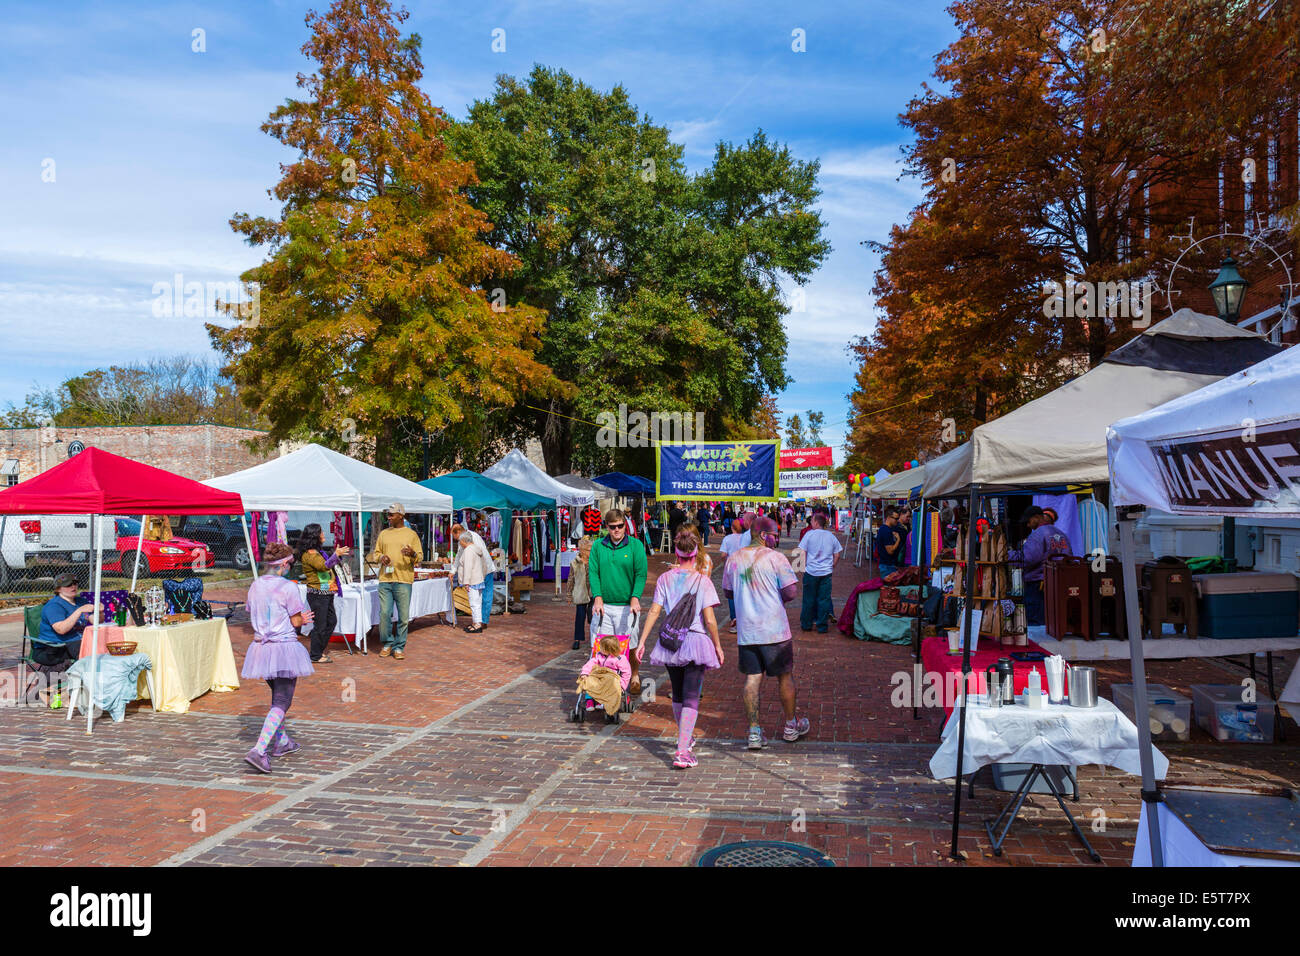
(700, 650)
(276, 656)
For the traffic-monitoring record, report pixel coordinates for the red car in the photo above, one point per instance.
(177, 554)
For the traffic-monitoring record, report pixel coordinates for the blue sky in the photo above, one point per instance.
(155, 146)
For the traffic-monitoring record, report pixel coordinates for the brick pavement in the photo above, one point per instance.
(462, 754)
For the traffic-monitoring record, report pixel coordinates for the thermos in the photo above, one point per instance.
(1083, 687)
(1006, 675)
(993, 682)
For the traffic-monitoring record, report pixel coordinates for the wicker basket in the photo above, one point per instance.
(121, 648)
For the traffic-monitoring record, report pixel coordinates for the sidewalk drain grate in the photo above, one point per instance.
(764, 853)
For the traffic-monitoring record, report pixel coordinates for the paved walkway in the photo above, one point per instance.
(461, 754)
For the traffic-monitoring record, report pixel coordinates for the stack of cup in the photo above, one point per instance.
(1055, 667)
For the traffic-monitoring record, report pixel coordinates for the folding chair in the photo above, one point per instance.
(28, 661)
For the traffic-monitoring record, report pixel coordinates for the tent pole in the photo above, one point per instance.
(248, 543)
(972, 552)
(139, 545)
(924, 563)
(1151, 797)
(94, 633)
(361, 552)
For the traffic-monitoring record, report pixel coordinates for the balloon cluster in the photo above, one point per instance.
(909, 465)
(859, 481)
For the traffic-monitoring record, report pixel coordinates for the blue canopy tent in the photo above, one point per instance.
(631, 485)
(626, 484)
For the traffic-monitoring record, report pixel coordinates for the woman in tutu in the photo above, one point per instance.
(276, 656)
(700, 649)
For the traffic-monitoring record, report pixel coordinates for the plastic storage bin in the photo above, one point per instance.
(1169, 713)
(1248, 604)
(1223, 715)
(1009, 776)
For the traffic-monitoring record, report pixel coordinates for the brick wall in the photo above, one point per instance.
(195, 451)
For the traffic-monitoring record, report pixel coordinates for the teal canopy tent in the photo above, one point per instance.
(469, 489)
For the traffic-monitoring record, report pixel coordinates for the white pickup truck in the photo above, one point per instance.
(40, 546)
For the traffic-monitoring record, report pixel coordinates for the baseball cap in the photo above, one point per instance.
(397, 508)
(64, 580)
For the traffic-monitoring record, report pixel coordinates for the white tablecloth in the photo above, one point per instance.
(357, 606)
(1055, 734)
(1183, 848)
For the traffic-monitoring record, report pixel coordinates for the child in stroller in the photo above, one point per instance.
(603, 680)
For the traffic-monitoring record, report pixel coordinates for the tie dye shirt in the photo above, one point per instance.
(272, 601)
(756, 577)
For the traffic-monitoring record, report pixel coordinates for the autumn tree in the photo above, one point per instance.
(662, 289)
(377, 313)
(1066, 139)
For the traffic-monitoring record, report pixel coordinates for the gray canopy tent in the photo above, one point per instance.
(1060, 439)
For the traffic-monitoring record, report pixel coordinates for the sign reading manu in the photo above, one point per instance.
(1251, 468)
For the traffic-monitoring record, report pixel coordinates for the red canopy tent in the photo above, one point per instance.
(97, 482)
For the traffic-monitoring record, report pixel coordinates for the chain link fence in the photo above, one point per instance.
(35, 549)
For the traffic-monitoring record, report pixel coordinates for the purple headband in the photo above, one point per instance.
(288, 560)
(684, 554)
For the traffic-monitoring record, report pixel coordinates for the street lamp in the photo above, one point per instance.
(1228, 289)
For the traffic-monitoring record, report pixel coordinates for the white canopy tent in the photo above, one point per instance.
(517, 471)
(314, 478)
(1060, 438)
(1231, 448)
(897, 485)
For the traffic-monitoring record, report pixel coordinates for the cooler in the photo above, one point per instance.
(1248, 604)
(1106, 601)
(1066, 597)
(1169, 713)
(1223, 715)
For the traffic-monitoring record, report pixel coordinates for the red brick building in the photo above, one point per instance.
(195, 451)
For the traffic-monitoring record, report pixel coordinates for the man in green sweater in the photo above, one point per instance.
(617, 572)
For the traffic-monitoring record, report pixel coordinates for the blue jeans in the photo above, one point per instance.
(488, 586)
(731, 607)
(388, 592)
(816, 607)
(886, 568)
(1035, 606)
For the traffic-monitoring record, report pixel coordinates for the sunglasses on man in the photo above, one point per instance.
(616, 527)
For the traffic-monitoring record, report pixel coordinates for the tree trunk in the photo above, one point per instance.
(981, 405)
(557, 442)
(384, 446)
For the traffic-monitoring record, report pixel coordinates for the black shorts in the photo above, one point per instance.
(770, 659)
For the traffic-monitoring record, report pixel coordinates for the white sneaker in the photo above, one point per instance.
(794, 729)
(757, 740)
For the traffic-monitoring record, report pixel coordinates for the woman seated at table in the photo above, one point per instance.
(62, 622)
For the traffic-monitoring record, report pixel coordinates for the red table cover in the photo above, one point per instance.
(935, 659)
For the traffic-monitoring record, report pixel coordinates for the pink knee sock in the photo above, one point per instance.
(271, 727)
(686, 727)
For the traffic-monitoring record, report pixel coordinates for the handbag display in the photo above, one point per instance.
(889, 601)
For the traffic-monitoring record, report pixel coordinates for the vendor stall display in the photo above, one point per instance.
(1043, 736)
(357, 606)
(187, 660)
(1159, 458)
(96, 483)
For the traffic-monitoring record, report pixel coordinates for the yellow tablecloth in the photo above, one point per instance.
(189, 660)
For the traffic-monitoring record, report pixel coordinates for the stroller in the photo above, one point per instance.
(628, 706)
